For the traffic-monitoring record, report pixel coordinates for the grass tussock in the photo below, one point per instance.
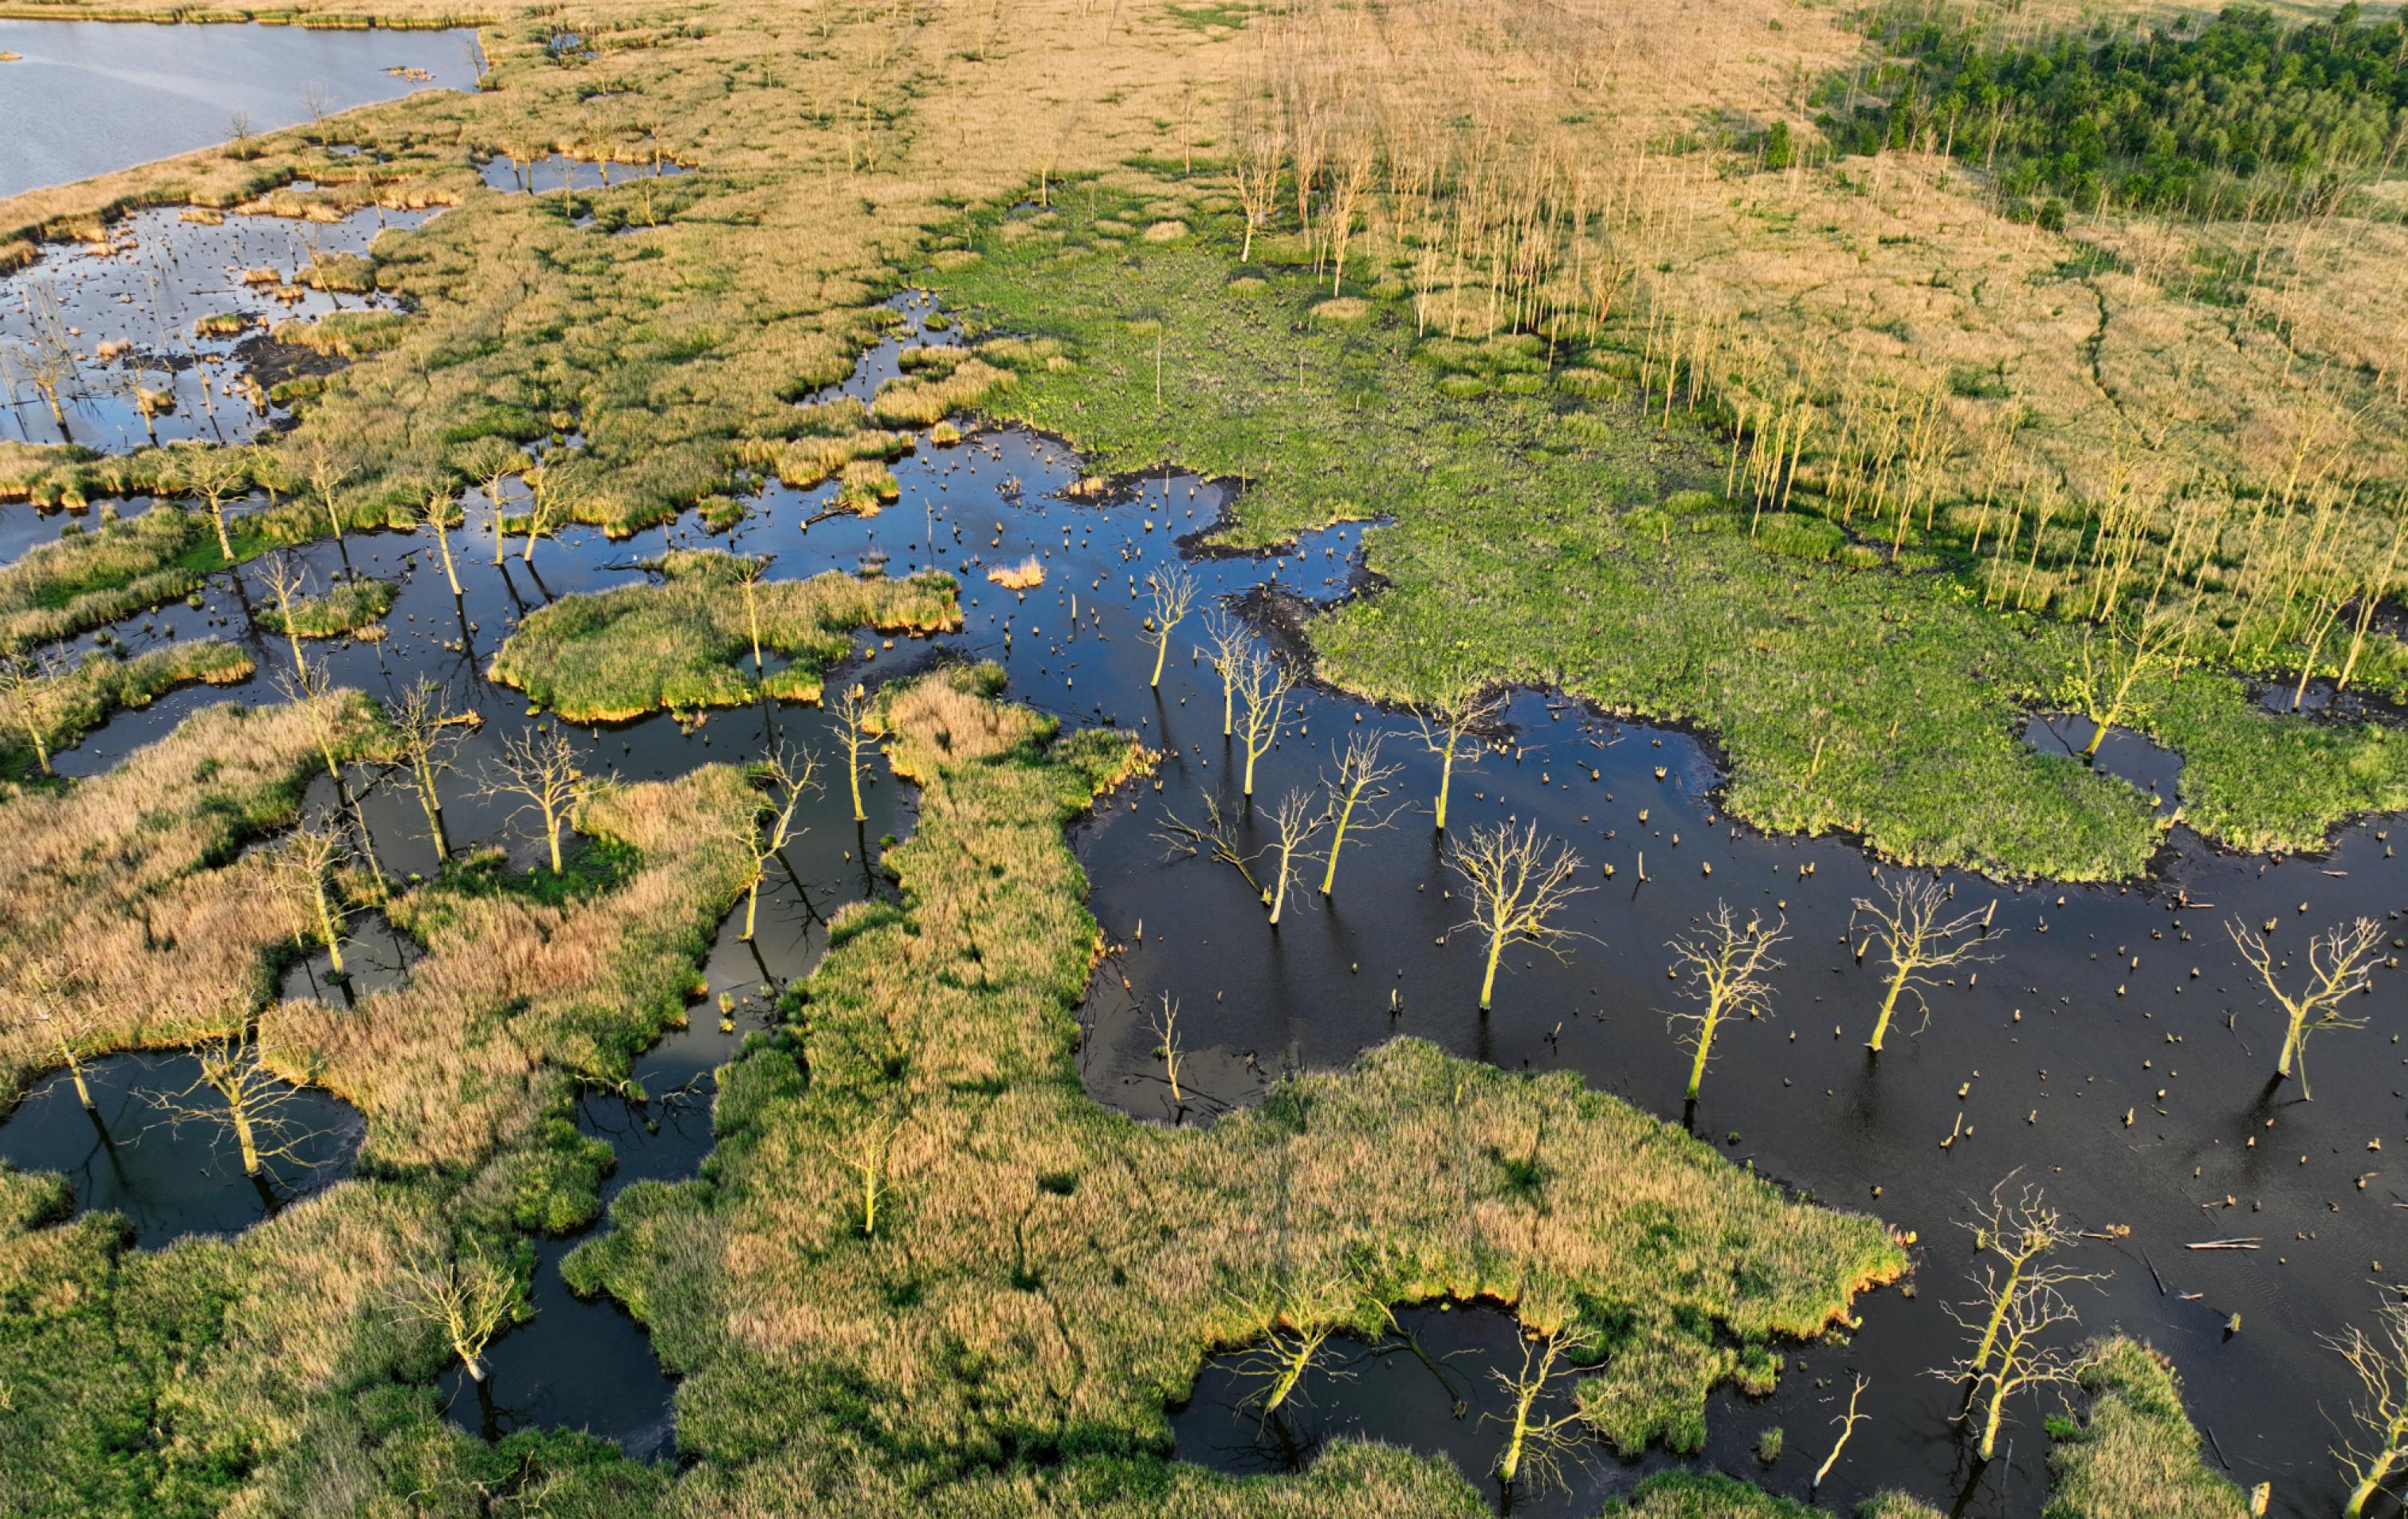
(688, 640)
(1024, 575)
(1685, 1494)
(354, 608)
(1084, 1264)
(2135, 1451)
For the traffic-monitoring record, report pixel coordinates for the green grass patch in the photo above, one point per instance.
(67, 706)
(355, 608)
(688, 640)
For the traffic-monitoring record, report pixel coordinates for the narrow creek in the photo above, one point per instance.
(2088, 1058)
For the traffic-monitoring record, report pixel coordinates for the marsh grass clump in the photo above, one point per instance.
(1705, 1494)
(2135, 1451)
(617, 654)
(947, 1014)
(354, 608)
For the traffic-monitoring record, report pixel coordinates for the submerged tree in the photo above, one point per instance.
(2379, 1450)
(1263, 686)
(1296, 822)
(1360, 784)
(856, 729)
(426, 732)
(2341, 963)
(466, 1297)
(1724, 968)
(443, 513)
(2019, 1234)
(490, 461)
(1215, 838)
(253, 1103)
(1536, 1443)
(1518, 881)
(789, 775)
(1164, 1026)
(1449, 722)
(542, 769)
(1172, 590)
(1226, 643)
(1917, 939)
(2020, 1357)
(554, 492)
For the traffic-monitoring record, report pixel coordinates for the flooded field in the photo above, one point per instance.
(2113, 1047)
(84, 99)
(166, 332)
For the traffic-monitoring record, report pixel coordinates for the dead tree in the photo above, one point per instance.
(554, 492)
(2341, 963)
(543, 771)
(25, 676)
(466, 1297)
(443, 513)
(1296, 822)
(490, 461)
(2113, 659)
(1165, 1028)
(1536, 1442)
(865, 1153)
(1263, 686)
(790, 775)
(1724, 968)
(326, 470)
(1917, 939)
(311, 856)
(2020, 1358)
(856, 729)
(2019, 1234)
(1518, 881)
(214, 475)
(1226, 643)
(1448, 723)
(253, 1103)
(288, 582)
(48, 360)
(1172, 592)
(426, 732)
(1215, 838)
(1359, 786)
(2378, 1451)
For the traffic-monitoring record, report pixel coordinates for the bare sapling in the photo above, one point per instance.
(1172, 592)
(748, 576)
(1517, 882)
(2021, 1356)
(1164, 1024)
(1918, 940)
(1296, 822)
(2341, 963)
(465, 1296)
(426, 733)
(1263, 687)
(2377, 1451)
(312, 857)
(1359, 786)
(541, 769)
(864, 1152)
(1725, 969)
(857, 729)
(1449, 724)
(1537, 1442)
(1225, 646)
(67, 1022)
(49, 361)
(253, 1104)
(25, 676)
(788, 775)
